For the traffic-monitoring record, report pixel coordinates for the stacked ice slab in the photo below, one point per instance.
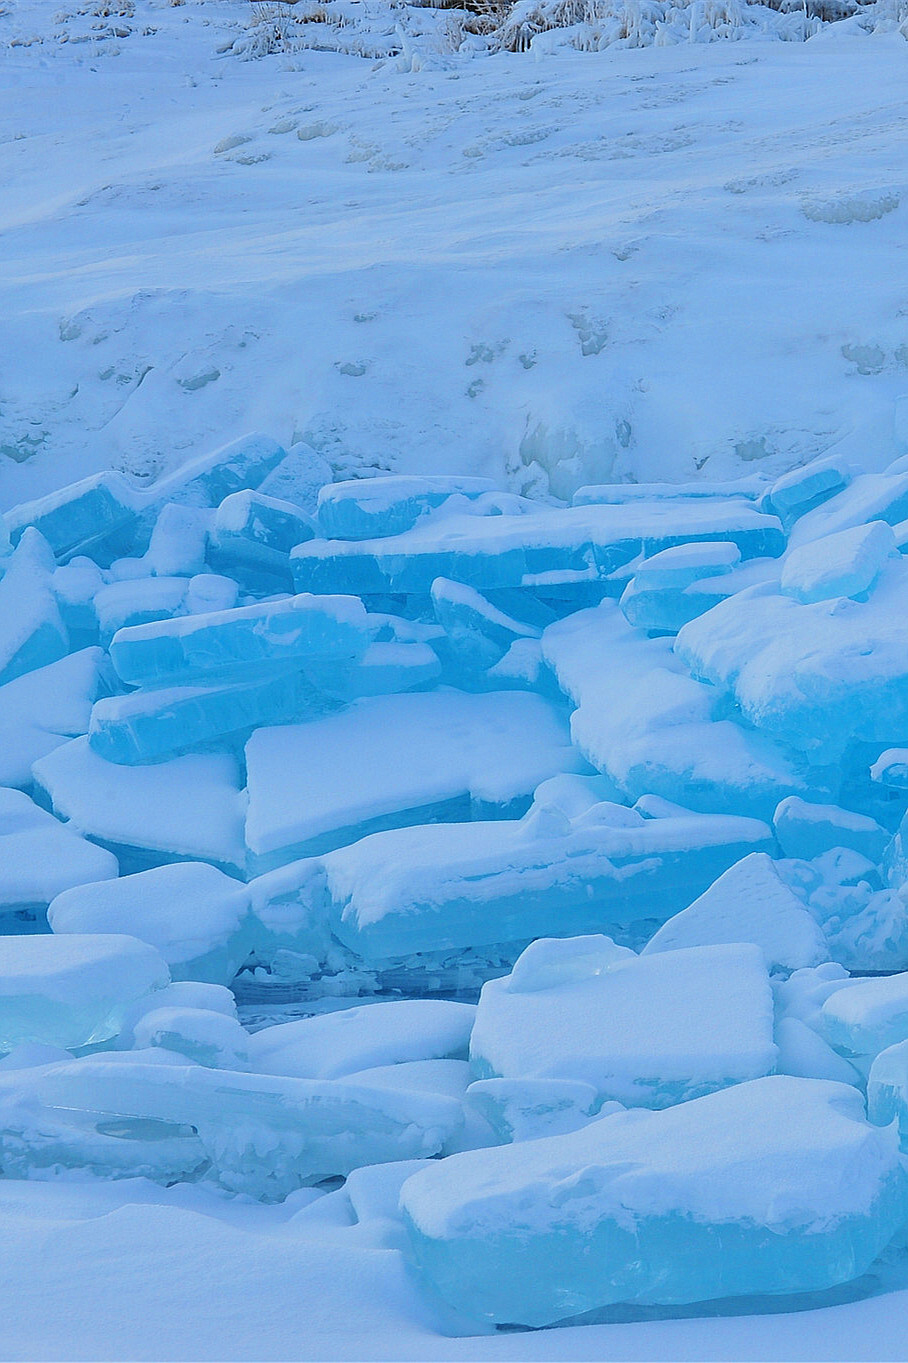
(589, 810)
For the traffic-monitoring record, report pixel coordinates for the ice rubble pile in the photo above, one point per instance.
(575, 830)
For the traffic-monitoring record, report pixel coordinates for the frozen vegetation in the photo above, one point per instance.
(453, 843)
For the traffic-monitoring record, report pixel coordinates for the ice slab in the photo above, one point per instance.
(338, 1044)
(264, 1135)
(137, 601)
(802, 489)
(196, 916)
(278, 632)
(190, 808)
(478, 633)
(527, 1109)
(32, 632)
(847, 563)
(771, 1187)
(393, 760)
(870, 497)
(47, 707)
(75, 585)
(863, 1020)
(750, 902)
(72, 991)
(94, 516)
(370, 508)
(178, 541)
(438, 887)
(646, 1031)
(40, 857)
(244, 463)
(252, 537)
(891, 768)
(146, 725)
(620, 494)
(807, 831)
(887, 1089)
(506, 550)
(298, 478)
(652, 728)
(201, 1035)
(818, 676)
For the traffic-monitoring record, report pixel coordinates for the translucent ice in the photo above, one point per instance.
(750, 902)
(647, 1031)
(526, 1109)
(72, 991)
(252, 537)
(47, 707)
(290, 629)
(197, 917)
(370, 508)
(451, 886)
(93, 516)
(863, 1020)
(245, 463)
(392, 760)
(178, 541)
(807, 831)
(802, 489)
(774, 1186)
(200, 1034)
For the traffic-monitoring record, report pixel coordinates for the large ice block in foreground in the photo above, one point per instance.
(371, 508)
(338, 1044)
(72, 991)
(393, 760)
(190, 808)
(32, 632)
(278, 632)
(194, 914)
(505, 550)
(771, 1187)
(597, 867)
(40, 857)
(749, 903)
(652, 728)
(647, 1031)
(264, 1135)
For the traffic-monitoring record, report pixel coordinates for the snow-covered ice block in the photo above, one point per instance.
(201, 1035)
(40, 857)
(478, 633)
(802, 489)
(47, 707)
(278, 632)
(387, 666)
(771, 1187)
(891, 768)
(91, 516)
(244, 463)
(495, 551)
(252, 537)
(195, 915)
(686, 563)
(750, 902)
(72, 991)
(807, 831)
(652, 728)
(298, 478)
(188, 809)
(438, 887)
(526, 1109)
(178, 541)
(658, 597)
(207, 592)
(180, 995)
(149, 724)
(804, 1053)
(847, 563)
(372, 508)
(75, 585)
(887, 1089)
(647, 1031)
(334, 1045)
(620, 494)
(265, 1135)
(870, 497)
(32, 632)
(137, 601)
(817, 677)
(393, 760)
(863, 1020)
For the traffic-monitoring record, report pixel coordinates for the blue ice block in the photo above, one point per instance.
(93, 516)
(146, 725)
(244, 463)
(32, 632)
(252, 537)
(797, 492)
(495, 551)
(371, 508)
(774, 1186)
(296, 627)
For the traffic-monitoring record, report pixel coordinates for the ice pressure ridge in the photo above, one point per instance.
(567, 838)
